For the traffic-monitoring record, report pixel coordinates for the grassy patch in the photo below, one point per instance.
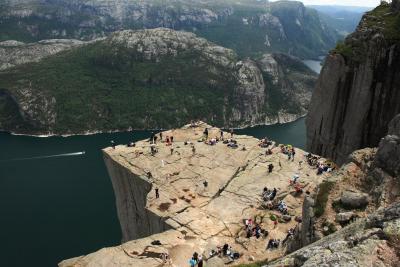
(344, 49)
(322, 197)
(391, 21)
(254, 264)
(329, 228)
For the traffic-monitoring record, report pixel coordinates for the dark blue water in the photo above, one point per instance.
(62, 207)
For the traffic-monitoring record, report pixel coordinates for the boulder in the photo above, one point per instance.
(353, 199)
(287, 218)
(344, 217)
(388, 154)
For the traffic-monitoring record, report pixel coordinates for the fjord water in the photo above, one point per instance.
(55, 208)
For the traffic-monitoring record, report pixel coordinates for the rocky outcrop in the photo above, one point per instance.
(357, 93)
(369, 241)
(14, 53)
(367, 185)
(200, 216)
(354, 200)
(305, 233)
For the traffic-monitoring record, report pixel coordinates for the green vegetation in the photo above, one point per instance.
(329, 228)
(322, 197)
(254, 264)
(99, 87)
(390, 20)
(344, 49)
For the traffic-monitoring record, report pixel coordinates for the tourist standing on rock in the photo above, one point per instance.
(270, 167)
(222, 135)
(161, 137)
(172, 149)
(157, 194)
(231, 132)
(172, 139)
(200, 262)
(293, 153)
(151, 140)
(113, 144)
(206, 133)
(192, 262)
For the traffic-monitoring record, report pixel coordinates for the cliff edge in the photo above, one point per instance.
(205, 194)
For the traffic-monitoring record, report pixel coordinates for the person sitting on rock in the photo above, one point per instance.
(269, 205)
(249, 233)
(257, 231)
(225, 249)
(320, 169)
(270, 244)
(290, 233)
(273, 194)
(282, 206)
(294, 179)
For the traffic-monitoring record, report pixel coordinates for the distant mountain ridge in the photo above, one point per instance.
(249, 27)
(145, 79)
(344, 19)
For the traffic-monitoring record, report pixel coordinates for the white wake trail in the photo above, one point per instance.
(47, 157)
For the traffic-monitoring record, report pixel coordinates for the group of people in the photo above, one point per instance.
(265, 143)
(289, 151)
(269, 195)
(321, 168)
(254, 230)
(315, 161)
(312, 160)
(196, 260)
(225, 251)
(282, 207)
(273, 243)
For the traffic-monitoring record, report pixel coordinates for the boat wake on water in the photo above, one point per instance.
(47, 157)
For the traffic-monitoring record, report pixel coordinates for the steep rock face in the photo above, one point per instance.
(131, 198)
(358, 91)
(132, 77)
(290, 86)
(388, 156)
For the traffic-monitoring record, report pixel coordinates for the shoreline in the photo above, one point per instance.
(87, 133)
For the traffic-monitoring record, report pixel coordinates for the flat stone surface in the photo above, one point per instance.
(205, 217)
